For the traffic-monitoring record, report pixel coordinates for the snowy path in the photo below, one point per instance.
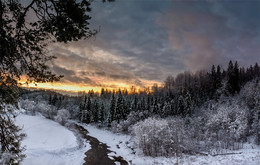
(49, 143)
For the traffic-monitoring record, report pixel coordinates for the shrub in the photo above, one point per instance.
(62, 116)
(161, 137)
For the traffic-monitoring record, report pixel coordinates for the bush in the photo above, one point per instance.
(42, 107)
(126, 125)
(251, 94)
(161, 137)
(62, 116)
(226, 125)
(29, 106)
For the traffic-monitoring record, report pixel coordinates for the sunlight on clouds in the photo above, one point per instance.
(74, 87)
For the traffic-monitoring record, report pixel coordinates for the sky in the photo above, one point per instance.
(141, 42)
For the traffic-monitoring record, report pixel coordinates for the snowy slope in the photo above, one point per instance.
(121, 144)
(49, 143)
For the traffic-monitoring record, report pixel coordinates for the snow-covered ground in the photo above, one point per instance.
(49, 143)
(122, 145)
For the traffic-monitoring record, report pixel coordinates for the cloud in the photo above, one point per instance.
(206, 33)
(142, 42)
(72, 77)
(91, 66)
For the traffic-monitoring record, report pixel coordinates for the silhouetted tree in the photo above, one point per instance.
(23, 45)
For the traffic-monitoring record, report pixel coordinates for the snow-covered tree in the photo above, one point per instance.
(111, 114)
(227, 124)
(101, 115)
(119, 109)
(251, 94)
(161, 137)
(62, 116)
(95, 111)
(10, 138)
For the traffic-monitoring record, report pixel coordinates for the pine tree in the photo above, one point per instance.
(181, 105)
(148, 105)
(54, 99)
(119, 110)
(87, 111)
(230, 77)
(50, 99)
(233, 81)
(95, 111)
(218, 77)
(155, 106)
(111, 116)
(256, 70)
(213, 80)
(82, 112)
(135, 103)
(142, 105)
(101, 116)
(188, 104)
(127, 109)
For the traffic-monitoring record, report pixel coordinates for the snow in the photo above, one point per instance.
(250, 155)
(47, 142)
(121, 144)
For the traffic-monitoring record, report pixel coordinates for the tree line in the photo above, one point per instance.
(179, 96)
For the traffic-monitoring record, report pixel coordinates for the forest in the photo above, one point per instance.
(206, 112)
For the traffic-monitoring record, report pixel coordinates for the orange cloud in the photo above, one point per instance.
(74, 87)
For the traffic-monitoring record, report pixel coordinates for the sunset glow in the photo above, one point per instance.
(74, 88)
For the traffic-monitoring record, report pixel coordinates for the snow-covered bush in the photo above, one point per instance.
(62, 116)
(161, 137)
(126, 125)
(226, 125)
(148, 135)
(251, 94)
(46, 110)
(29, 106)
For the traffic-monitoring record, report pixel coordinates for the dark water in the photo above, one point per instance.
(98, 154)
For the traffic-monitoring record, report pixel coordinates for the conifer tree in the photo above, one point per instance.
(101, 116)
(155, 106)
(188, 104)
(233, 82)
(111, 116)
(148, 105)
(218, 77)
(119, 109)
(95, 111)
(87, 111)
(236, 78)
(135, 103)
(181, 105)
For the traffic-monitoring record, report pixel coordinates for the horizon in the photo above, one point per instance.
(75, 89)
